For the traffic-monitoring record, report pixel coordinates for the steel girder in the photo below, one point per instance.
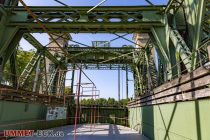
(101, 55)
(13, 69)
(181, 48)
(29, 69)
(43, 49)
(197, 14)
(150, 19)
(9, 39)
(76, 19)
(102, 67)
(160, 37)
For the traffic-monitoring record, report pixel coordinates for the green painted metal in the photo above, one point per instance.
(101, 55)
(29, 68)
(173, 5)
(175, 31)
(76, 19)
(174, 121)
(182, 48)
(11, 2)
(161, 37)
(199, 14)
(13, 69)
(42, 48)
(32, 116)
(12, 112)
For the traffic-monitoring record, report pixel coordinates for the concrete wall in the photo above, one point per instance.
(174, 121)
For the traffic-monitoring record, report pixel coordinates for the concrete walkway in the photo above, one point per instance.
(100, 132)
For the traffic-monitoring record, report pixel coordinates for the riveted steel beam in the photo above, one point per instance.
(105, 55)
(40, 47)
(76, 19)
(160, 37)
(198, 21)
(181, 48)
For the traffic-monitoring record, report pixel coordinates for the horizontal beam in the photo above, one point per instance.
(100, 57)
(102, 49)
(86, 27)
(103, 67)
(76, 19)
(84, 9)
(188, 96)
(200, 72)
(185, 87)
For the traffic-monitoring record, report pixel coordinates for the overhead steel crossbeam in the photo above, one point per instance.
(103, 67)
(92, 55)
(102, 19)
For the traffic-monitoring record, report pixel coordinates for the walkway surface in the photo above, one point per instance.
(100, 132)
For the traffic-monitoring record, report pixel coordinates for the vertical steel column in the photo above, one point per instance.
(45, 76)
(72, 79)
(37, 75)
(13, 69)
(160, 37)
(126, 82)
(149, 77)
(199, 14)
(58, 82)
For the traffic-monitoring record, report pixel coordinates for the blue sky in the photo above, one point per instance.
(94, 2)
(106, 81)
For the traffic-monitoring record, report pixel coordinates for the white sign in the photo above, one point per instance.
(56, 113)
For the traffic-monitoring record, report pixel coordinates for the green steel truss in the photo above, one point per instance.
(179, 32)
(102, 55)
(76, 19)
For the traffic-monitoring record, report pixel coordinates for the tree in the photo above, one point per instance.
(112, 102)
(104, 102)
(124, 102)
(22, 59)
(67, 90)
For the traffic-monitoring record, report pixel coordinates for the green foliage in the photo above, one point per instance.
(67, 90)
(22, 59)
(104, 102)
(124, 102)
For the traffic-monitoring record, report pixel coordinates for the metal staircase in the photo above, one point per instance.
(61, 82)
(50, 85)
(153, 73)
(181, 47)
(28, 69)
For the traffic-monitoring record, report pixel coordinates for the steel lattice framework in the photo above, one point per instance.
(76, 19)
(178, 32)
